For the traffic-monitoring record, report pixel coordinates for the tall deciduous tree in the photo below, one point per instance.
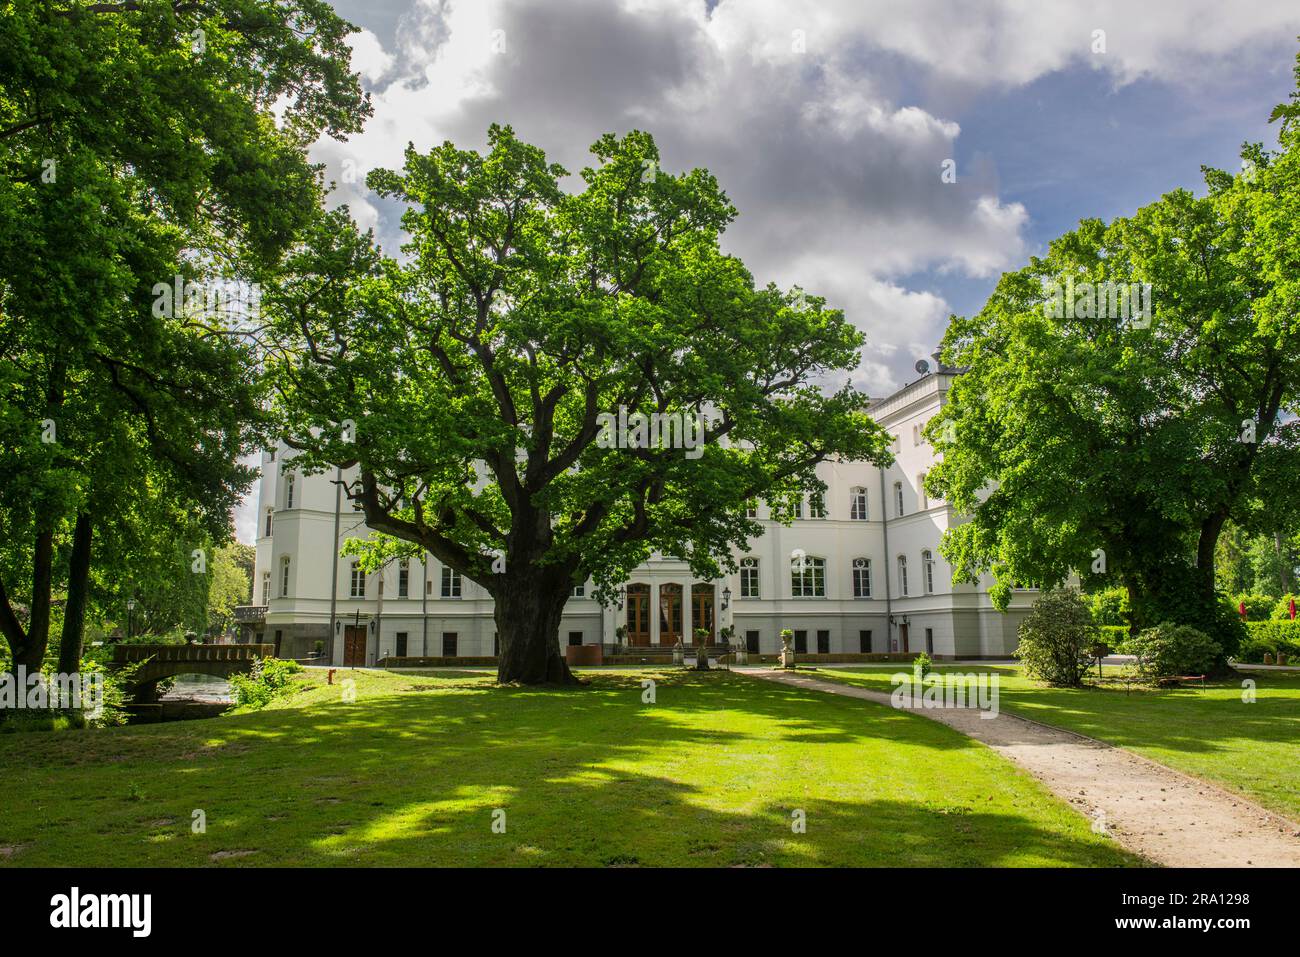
(472, 387)
(138, 142)
(1082, 439)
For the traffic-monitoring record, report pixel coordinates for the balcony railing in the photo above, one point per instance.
(250, 613)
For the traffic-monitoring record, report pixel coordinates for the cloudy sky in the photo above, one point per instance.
(829, 124)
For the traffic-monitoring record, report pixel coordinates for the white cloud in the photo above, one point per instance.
(793, 104)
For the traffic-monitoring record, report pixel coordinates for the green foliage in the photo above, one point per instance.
(479, 375)
(1094, 443)
(923, 662)
(1055, 637)
(1117, 636)
(1170, 649)
(269, 678)
(230, 585)
(1282, 610)
(141, 142)
(1271, 637)
(1109, 606)
(1258, 607)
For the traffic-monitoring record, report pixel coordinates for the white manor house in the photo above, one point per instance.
(872, 579)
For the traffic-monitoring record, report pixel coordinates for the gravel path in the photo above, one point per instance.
(1161, 814)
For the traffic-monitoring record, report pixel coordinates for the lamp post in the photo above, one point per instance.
(130, 617)
(726, 597)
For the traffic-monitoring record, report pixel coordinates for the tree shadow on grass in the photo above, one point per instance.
(711, 774)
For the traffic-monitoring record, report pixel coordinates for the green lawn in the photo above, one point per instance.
(411, 772)
(1208, 732)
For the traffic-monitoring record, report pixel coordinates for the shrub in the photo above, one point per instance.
(1117, 636)
(1258, 607)
(1170, 649)
(923, 662)
(1055, 638)
(1271, 637)
(268, 678)
(1109, 606)
(1282, 610)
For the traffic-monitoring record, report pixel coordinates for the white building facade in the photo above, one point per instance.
(859, 572)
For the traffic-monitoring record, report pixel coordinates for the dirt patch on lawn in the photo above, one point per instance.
(1164, 815)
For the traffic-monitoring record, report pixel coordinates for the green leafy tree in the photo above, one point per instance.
(472, 388)
(231, 585)
(139, 142)
(1094, 434)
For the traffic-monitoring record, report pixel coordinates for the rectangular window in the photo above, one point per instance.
(823, 642)
(450, 582)
(401, 644)
(269, 514)
(580, 591)
(816, 505)
(288, 491)
(929, 641)
(751, 642)
(810, 582)
(284, 577)
(864, 641)
(357, 586)
(749, 578)
(858, 505)
(801, 642)
(404, 578)
(898, 498)
(751, 510)
(861, 578)
(449, 644)
(266, 588)
(902, 576)
(575, 638)
(922, 498)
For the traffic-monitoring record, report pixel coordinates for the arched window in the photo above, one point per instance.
(927, 570)
(269, 513)
(808, 578)
(288, 491)
(902, 575)
(858, 504)
(284, 577)
(898, 498)
(862, 578)
(749, 578)
(357, 585)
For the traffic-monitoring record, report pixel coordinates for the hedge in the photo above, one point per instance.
(1270, 637)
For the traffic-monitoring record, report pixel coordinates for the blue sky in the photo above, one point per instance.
(827, 122)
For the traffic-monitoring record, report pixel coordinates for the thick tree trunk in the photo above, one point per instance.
(38, 626)
(74, 612)
(528, 610)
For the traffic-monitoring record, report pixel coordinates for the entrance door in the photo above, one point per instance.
(702, 610)
(751, 642)
(902, 637)
(823, 642)
(670, 614)
(354, 646)
(638, 614)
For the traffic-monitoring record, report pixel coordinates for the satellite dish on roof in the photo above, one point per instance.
(922, 366)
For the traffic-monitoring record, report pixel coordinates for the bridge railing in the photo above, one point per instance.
(130, 654)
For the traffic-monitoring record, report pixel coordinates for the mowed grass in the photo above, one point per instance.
(1211, 732)
(711, 774)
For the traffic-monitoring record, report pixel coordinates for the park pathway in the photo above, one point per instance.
(1161, 814)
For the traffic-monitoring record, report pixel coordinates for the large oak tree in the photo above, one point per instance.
(467, 386)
